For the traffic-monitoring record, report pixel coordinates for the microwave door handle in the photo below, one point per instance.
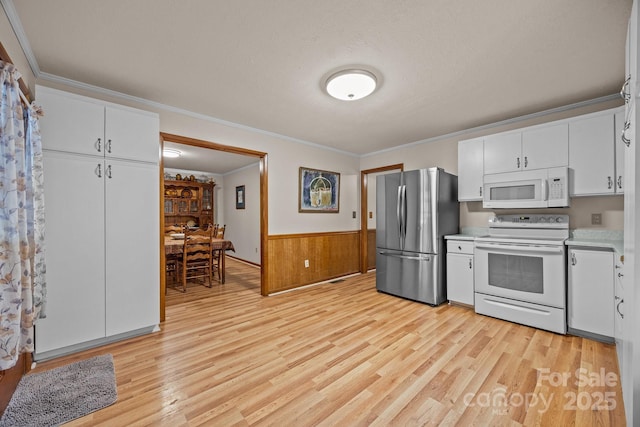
(545, 189)
(519, 248)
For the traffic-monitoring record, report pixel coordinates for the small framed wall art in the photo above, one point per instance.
(318, 191)
(240, 197)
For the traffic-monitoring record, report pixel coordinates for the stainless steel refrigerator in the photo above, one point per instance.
(415, 210)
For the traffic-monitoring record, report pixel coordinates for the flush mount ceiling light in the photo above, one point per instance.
(349, 85)
(170, 152)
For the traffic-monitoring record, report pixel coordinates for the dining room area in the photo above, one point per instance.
(204, 219)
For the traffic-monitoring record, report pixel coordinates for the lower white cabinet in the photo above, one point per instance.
(102, 251)
(618, 314)
(591, 293)
(460, 271)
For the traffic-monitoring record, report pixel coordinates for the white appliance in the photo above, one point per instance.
(538, 188)
(520, 270)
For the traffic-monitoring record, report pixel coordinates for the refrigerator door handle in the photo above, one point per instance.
(413, 257)
(399, 214)
(404, 214)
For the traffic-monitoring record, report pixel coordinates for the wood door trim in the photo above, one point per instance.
(364, 209)
(264, 210)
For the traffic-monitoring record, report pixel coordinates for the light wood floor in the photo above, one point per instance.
(344, 355)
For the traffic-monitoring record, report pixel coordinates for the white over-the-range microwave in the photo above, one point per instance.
(539, 188)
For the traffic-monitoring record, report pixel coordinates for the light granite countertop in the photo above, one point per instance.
(468, 233)
(608, 239)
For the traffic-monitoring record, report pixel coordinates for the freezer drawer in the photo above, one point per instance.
(411, 275)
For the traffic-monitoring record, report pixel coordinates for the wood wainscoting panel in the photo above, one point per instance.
(371, 249)
(330, 255)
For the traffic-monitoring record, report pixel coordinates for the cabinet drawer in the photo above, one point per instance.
(459, 247)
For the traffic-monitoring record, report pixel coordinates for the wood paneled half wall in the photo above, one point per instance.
(330, 255)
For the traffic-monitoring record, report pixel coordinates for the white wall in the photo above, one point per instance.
(243, 225)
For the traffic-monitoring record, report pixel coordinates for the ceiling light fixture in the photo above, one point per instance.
(349, 85)
(170, 152)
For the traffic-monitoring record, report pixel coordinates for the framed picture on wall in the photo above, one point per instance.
(318, 191)
(240, 197)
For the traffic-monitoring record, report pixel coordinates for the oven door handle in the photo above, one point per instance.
(521, 248)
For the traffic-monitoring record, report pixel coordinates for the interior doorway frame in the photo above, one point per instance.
(264, 209)
(364, 209)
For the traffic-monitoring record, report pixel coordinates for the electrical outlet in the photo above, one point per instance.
(596, 219)
(306, 263)
(370, 214)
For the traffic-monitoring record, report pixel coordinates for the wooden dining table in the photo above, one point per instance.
(174, 246)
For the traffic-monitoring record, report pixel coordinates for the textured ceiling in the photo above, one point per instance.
(444, 65)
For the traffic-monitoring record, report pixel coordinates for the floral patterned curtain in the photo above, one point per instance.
(22, 267)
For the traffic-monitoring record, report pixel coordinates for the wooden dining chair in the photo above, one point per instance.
(172, 260)
(197, 259)
(217, 253)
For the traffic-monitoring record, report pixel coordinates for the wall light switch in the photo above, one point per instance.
(306, 263)
(596, 219)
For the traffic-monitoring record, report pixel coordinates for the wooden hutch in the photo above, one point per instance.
(188, 202)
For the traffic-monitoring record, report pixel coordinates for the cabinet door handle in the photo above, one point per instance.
(108, 146)
(620, 275)
(98, 145)
(459, 247)
(574, 261)
(609, 183)
(620, 182)
(526, 161)
(109, 171)
(518, 162)
(480, 191)
(618, 308)
(623, 92)
(98, 170)
(470, 264)
(627, 141)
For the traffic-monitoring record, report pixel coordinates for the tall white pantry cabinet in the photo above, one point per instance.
(102, 220)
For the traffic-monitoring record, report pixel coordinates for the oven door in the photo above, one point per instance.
(522, 272)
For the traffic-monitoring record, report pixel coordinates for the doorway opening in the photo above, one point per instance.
(367, 234)
(262, 159)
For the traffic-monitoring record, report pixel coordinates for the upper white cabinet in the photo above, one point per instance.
(102, 218)
(470, 169)
(503, 152)
(591, 154)
(543, 146)
(83, 125)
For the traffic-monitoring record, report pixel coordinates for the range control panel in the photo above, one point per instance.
(529, 221)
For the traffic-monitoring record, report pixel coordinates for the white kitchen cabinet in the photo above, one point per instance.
(75, 252)
(536, 147)
(83, 125)
(619, 150)
(460, 271)
(591, 293)
(591, 154)
(102, 224)
(470, 169)
(545, 146)
(503, 152)
(618, 322)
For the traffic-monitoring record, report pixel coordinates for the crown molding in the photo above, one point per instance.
(489, 126)
(18, 30)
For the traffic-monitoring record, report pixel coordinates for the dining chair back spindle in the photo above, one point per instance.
(197, 259)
